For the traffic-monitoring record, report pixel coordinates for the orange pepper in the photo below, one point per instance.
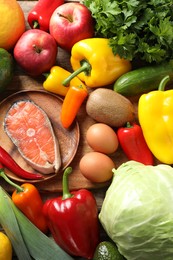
(72, 103)
(29, 201)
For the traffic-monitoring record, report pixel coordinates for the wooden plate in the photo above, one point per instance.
(51, 104)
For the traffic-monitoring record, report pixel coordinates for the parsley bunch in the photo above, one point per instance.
(137, 29)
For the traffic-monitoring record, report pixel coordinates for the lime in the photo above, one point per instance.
(107, 250)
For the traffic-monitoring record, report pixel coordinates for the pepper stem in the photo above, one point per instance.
(35, 24)
(4, 176)
(85, 67)
(163, 83)
(66, 192)
(46, 74)
(128, 125)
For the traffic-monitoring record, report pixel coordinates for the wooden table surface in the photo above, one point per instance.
(52, 188)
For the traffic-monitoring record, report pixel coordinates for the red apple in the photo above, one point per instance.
(35, 51)
(70, 23)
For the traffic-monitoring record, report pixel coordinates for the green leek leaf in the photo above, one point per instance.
(10, 225)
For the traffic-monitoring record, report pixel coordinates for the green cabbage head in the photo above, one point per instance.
(137, 212)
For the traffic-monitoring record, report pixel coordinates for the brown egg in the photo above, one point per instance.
(96, 167)
(102, 138)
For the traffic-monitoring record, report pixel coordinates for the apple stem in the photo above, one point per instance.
(37, 48)
(85, 67)
(68, 17)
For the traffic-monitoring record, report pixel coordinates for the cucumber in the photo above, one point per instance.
(6, 68)
(143, 80)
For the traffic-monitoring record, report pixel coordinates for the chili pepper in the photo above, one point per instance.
(73, 220)
(10, 163)
(27, 198)
(95, 64)
(134, 145)
(156, 120)
(40, 14)
(53, 82)
(72, 103)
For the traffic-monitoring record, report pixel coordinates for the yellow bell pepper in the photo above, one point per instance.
(53, 82)
(95, 64)
(155, 113)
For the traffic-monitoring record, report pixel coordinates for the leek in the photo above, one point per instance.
(10, 225)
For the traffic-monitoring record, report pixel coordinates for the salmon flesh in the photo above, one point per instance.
(30, 129)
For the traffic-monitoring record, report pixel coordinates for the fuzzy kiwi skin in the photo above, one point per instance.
(109, 107)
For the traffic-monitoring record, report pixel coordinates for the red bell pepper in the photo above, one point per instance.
(39, 16)
(73, 220)
(133, 144)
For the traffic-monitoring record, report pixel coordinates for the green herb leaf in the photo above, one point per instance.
(137, 29)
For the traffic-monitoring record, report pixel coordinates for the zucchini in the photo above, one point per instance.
(143, 80)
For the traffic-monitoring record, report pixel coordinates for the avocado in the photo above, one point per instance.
(107, 250)
(6, 68)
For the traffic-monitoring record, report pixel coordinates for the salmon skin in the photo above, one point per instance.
(30, 129)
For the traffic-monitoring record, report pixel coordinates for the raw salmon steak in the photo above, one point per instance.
(30, 129)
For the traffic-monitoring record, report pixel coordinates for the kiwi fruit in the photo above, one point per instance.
(109, 107)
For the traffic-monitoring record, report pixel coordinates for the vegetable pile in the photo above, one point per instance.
(127, 137)
(136, 29)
